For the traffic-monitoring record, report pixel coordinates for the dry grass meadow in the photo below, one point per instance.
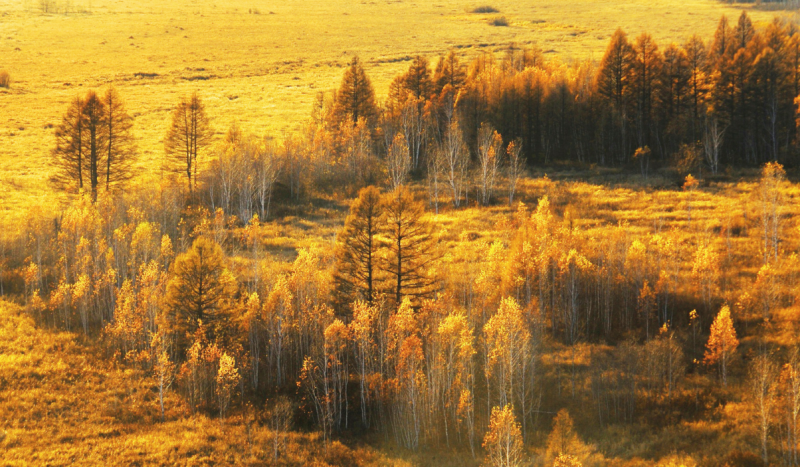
(263, 63)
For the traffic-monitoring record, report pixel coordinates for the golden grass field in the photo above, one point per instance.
(263, 63)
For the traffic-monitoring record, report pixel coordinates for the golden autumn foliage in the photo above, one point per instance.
(722, 342)
(201, 288)
(503, 440)
(215, 317)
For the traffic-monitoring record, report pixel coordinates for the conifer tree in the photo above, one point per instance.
(449, 71)
(188, 135)
(614, 76)
(201, 288)
(697, 57)
(120, 149)
(646, 70)
(94, 144)
(355, 98)
(410, 247)
(417, 80)
(355, 273)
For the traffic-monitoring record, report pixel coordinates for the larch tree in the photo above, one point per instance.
(355, 273)
(646, 71)
(120, 149)
(417, 80)
(722, 342)
(189, 134)
(449, 71)
(722, 40)
(410, 247)
(503, 440)
(93, 112)
(68, 155)
(201, 288)
(697, 59)
(94, 144)
(355, 98)
(615, 75)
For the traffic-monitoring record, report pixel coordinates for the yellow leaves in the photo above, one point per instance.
(690, 183)
(466, 406)
(506, 334)
(410, 357)
(336, 336)
(403, 323)
(636, 257)
(567, 460)
(503, 440)
(227, 379)
(166, 248)
(30, 274)
(81, 288)
(573, 258)
(722, 342)
(705, 266)
(144, 240)
(363, 318)
(455, 329)
(227, 375)
(772, 172)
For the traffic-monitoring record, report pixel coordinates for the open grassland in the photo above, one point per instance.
(262, 63)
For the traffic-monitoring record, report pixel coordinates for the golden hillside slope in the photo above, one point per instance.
(62, 405)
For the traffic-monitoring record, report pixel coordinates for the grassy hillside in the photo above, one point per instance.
(263, 63)
(61, 403)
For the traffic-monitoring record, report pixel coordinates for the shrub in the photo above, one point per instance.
(485, 9)
(5, 79)
(499, 21)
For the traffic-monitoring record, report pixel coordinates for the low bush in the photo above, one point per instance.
(485, 9)
(499, 21)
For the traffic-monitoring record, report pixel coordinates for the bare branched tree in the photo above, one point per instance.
(398, 161)
(489, 156)
(515, 167)
(712, 142)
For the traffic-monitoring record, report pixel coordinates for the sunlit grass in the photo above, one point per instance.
(265, 70)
